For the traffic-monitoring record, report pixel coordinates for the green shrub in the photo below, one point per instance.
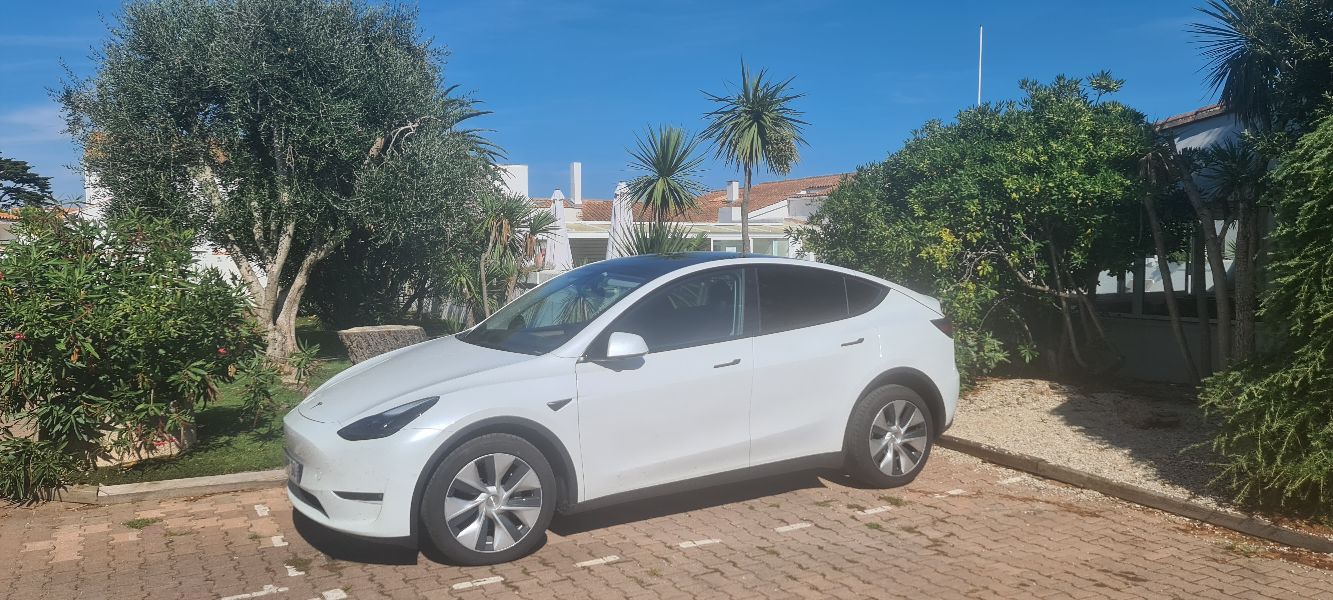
(109, 338)
(1276, 411)
(31, 469)
(303, 362)
(259, 380)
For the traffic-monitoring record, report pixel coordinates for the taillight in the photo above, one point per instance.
(944, 326)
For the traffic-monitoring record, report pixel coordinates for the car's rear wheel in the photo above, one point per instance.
(489, 500)
(889, 436)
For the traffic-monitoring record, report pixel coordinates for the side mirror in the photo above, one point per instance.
(625, 345)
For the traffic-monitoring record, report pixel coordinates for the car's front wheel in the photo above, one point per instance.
(489, 500)
(888, 437)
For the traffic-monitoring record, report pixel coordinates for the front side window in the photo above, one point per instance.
(792, 297)
(697, 310)
(548, 316)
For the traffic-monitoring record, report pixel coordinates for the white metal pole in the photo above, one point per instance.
(981, 38)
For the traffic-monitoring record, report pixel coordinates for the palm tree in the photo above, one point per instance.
(756, 126)
(1238, 174)
(668, 186)
(661, 237)
(666, 157)
(1242, 60)
(510, 227)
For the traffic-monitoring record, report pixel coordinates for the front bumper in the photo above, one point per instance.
(363, 488)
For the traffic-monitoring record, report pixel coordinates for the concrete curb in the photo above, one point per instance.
(1234, 521)
(172, 488)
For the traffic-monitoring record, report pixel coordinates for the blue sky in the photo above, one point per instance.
(577, 80)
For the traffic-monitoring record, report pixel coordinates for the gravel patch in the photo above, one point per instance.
(1153, 443)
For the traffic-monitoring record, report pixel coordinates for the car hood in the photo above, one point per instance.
(394, 378)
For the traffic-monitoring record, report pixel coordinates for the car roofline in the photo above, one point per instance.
(576, 346)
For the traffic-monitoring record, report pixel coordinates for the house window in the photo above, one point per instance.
(726, 245)
(771, 246)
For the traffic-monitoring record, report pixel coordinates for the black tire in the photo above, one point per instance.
(864, 465)
(433, 516)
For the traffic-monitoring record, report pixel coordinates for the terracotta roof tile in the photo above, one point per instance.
(1198, 114)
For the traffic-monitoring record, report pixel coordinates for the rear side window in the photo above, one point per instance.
(862, 295)
(794, 297)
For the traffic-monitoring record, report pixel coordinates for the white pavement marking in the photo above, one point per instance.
(697, 543)
(1014, 479)
(268, 589)
(476, 582)
(598, 561)
(277, 541)
(951, 493)
(876, 510)
(261, 510)
(292, 572)
(334, 594)
(792, 527)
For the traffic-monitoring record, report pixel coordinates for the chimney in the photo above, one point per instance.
(576, 182)
(733, 191)
(515, 178)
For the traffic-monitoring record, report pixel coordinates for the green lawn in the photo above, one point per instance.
(229, 443)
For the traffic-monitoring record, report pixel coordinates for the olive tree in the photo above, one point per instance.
(263, 124)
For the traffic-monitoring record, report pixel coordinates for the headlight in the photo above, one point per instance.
(388, 422)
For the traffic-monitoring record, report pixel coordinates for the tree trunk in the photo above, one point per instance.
(1201, 306)
(1064, 304)
(745, 214)
(1213, 251)
(1246, 236)
(282, 339)
(485, 291)
(1168, 288)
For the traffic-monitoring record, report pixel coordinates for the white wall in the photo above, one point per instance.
(515, 179)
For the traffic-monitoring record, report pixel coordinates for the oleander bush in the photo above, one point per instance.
(110, 339)
(1276, 411)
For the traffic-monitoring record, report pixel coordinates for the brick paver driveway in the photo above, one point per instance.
(964, 529)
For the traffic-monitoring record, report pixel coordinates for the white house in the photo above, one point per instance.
(775, 208)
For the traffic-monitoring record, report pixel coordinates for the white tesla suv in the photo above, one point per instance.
(619, 379)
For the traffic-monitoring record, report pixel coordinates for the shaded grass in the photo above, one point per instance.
(228, 442)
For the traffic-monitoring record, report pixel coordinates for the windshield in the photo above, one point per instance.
(548, 316)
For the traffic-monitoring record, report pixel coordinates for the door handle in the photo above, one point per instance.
(733, 362)
(854, 342)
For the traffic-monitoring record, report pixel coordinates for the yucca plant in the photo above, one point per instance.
(511, 227)
(668, 186)
(661, 238)
(756, 126)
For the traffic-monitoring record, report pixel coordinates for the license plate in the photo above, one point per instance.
(293, 469)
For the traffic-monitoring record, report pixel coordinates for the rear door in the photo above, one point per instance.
(815, 352)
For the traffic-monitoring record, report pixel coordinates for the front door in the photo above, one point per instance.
(682, 410)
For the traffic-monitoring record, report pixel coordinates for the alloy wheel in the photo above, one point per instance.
(898, 438)
(493, 502)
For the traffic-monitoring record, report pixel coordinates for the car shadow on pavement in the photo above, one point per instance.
(686, 501)
(341, 546)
